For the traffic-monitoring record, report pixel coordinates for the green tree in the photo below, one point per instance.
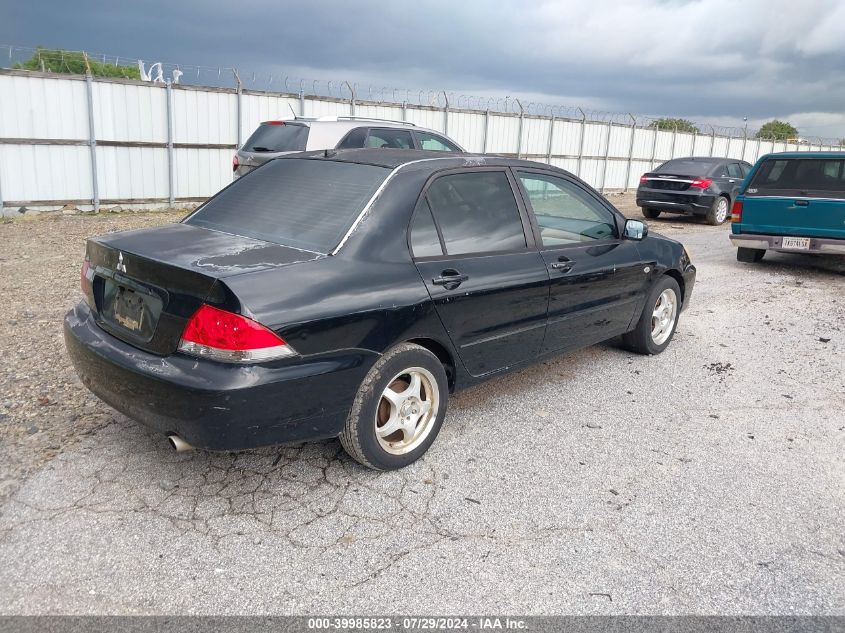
(667, 123)
(777, 130)
(73, 62)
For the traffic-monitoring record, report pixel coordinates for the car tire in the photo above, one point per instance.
(656, 326)
(385, 431)
(651, 214)
(749, 255)
(719, 211)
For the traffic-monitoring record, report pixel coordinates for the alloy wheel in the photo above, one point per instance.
(663, 316)
(407, 410)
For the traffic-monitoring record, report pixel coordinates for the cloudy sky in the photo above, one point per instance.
(713, 61)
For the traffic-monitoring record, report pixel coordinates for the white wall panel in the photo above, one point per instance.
(701, 145)
(35, 107)
(467, 130)
(379, 111)
(432, 119)
(535, 136)
(643, 139)
(205, 117)
(684, 145)
(202, 172)
(45, 172)
(127, 112)
(132, 173)
(663, 148)
(503, 134)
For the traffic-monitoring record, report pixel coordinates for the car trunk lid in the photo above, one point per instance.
(148, 283)
(667, 182)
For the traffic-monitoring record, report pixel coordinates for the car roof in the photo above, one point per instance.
(840, 155)
(708, 159)
(426, 159)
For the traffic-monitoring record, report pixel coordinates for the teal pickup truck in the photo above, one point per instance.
(791, 202)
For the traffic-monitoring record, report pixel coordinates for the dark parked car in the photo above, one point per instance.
(692, 186)
(794, 202)
(349, 293)
(272, 139)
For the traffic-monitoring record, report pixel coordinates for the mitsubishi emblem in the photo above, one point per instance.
(121, 267)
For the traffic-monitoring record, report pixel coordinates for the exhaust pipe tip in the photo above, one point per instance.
(178, 444)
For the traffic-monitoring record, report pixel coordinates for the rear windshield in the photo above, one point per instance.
(686, 167)
(277, 137)
(799, 177)
(306, 204)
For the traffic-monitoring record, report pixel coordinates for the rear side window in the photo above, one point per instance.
(424, 239)
(734, 171)
(277, 137)
(822, 177)
(430, 141)
(354, 140)
(682, 167)
(391, 139)
(306, 204)
(476, 212)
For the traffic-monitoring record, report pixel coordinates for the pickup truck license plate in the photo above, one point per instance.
(797, 243)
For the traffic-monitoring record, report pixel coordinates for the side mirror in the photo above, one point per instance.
(635, 230)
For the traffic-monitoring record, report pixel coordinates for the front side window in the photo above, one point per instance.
(306, 204)
(430, 141)
(476, 212)
(391, 139)
(566, 214)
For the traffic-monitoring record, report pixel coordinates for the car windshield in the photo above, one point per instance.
(277, 137)
(798, 176)
(305, 204)
(686, 167)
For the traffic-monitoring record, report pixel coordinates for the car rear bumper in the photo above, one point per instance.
(214, 405)
(818, 245)
(675, 201)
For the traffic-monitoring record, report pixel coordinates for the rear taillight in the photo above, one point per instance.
(701, 183)
(235, 162)
(643, 180)
(86, 279)
(231, 338)
(736, 211)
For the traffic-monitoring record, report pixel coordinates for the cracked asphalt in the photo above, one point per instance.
(707, 480)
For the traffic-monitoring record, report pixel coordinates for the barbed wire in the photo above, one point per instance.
(12, 55)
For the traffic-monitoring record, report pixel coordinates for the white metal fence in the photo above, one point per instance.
(72, 139)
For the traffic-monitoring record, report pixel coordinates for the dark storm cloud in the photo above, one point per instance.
(716, 59)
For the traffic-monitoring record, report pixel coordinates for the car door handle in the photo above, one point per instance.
(563, 264)
(450, 279)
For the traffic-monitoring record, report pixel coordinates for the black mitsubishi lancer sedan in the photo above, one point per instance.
(348, 293)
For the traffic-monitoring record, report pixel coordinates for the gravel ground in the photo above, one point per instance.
(706, 480)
